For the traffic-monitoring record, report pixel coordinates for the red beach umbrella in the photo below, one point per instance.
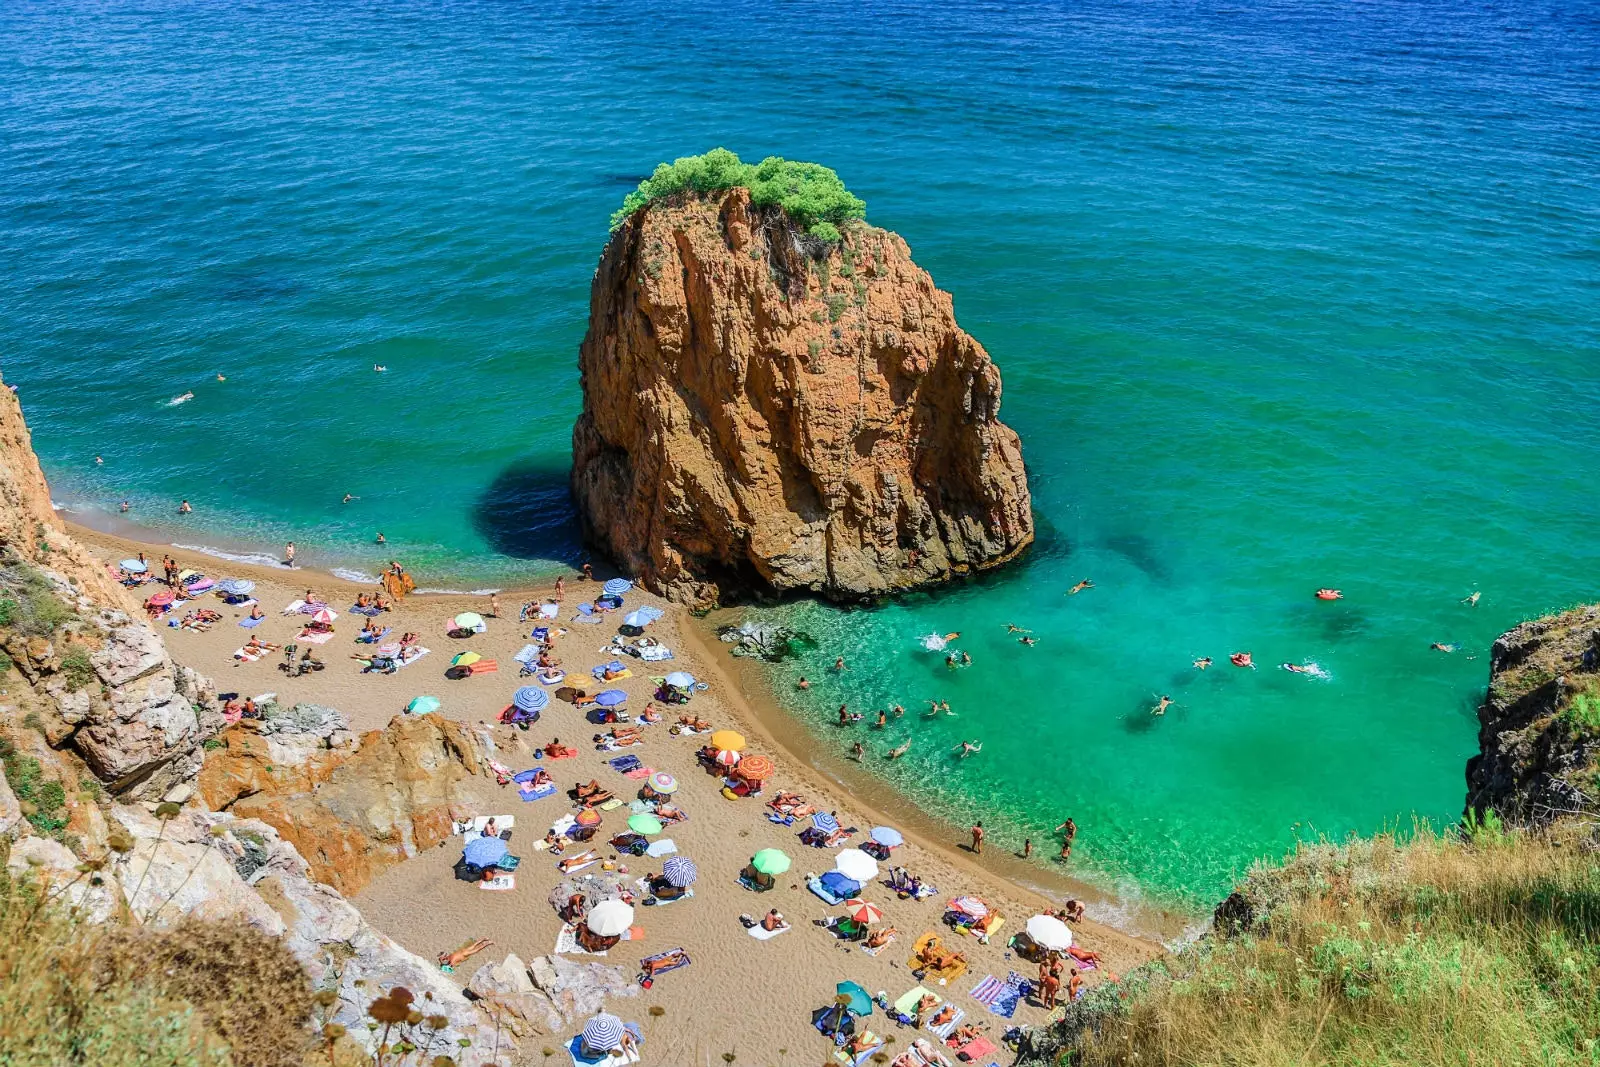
(727, 758)
(862, 911)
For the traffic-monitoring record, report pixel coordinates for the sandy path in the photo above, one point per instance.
(740, 995)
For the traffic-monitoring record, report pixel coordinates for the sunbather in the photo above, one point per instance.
(943, 1015)
(1083, 955)
(880, 937)
(965, 1033)
(650, 714)
(773, 920)
(556, 750)
(449, 961)
(666, 962)
(541, 777)
(579, 860)
(670, 813)
(863, 1041)
(928, 1002)
(695, 723)
(588, 789)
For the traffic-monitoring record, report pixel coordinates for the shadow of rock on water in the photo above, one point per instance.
(527, 513)
(1140, 551)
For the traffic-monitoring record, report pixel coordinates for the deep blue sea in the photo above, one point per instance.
(1285, 295)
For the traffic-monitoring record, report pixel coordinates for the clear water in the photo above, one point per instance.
(1285, 295)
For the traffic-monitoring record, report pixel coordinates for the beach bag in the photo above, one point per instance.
(468, 872)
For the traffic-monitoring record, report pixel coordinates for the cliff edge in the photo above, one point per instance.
(765, 411)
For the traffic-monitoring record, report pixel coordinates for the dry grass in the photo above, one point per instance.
(1427, 951)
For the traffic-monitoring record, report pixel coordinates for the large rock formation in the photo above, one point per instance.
(764, 412)
(1539, 724)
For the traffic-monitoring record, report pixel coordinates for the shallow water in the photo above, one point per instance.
(1284, 296)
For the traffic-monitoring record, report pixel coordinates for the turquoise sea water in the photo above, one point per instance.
(1285, 295)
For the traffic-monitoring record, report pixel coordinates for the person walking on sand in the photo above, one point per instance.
(588, 573)
(977, 838)
(1080, 587)
(1027, 847)
(561, 589)
(494, 605)
(288, 554)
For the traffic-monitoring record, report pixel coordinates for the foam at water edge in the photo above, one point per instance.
(349, 574)
(461, 592)
(260, 559)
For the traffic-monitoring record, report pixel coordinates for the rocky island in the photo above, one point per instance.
(777, 399)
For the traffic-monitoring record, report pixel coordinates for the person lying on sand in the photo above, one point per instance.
(943, 1015)
(880, 937)
(928, 1002)
(672, 959)
(588, 789)
(863, 1041)
(965, 1034)
(449, 961)
(670, 813)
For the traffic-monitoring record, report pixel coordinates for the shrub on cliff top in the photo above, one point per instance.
(812, 195)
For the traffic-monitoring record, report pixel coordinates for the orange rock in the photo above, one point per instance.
(764, 412)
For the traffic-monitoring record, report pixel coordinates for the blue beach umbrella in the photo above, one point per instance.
(236, 586)
(852, 996)
(530, 698)
(423, 705)
(679, 871)
(637, 618)
(611, 698)
(485, 851)
(887, 836)
(603, 1033)
(134, 566)
(616, 586)
(680, 680)
(824, 822)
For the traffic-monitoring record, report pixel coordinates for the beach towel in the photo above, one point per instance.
(760, 933)
(549, 610)
(654, 653)
(611, 805)
(567, 943)
(663, 847)
(576, 867)
(484, 666)
(663, 955)
(816, 887)
(977, 1049)
(251, 624)
(315, 639)
(526, 655)
(530, 792)
(907, 1004)
(476, 825)
(866, 1054)
(408, 656)
(580, 1059)
(880, 948)
(999, 997)
(949, 1027)
(624, 764)
(294, 607)
(370, 612)
(500, 883)
(372, 639)
(248, 657)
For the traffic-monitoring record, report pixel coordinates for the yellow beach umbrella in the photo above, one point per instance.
(465, 659)
(728, 740)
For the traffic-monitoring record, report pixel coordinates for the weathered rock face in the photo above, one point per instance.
(138, 721)
(1537, 750)
(759, 420)
(351, 814)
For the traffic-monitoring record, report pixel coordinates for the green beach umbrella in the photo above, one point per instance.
(770, 861)
(423, 705)
(852, 996)
(644, 823)
(469, 620)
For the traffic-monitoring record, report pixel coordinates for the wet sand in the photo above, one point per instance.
(740, 995)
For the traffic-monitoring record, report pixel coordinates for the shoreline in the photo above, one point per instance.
(759, 714)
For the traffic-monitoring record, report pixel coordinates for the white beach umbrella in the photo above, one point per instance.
(856, 865)
(1049, 932)
(610, 918)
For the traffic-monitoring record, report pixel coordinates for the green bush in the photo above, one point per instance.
(44, 801)
(813, 196)
(77, 669)
(1583, 714)
(30, 604)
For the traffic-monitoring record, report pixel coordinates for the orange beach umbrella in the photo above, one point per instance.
(755, 768)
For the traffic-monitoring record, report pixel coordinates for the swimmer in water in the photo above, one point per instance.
(802, 684)
(1471, 601)
(222, 377)
(380, 367)
(966, 659)
(838, 664)
(952, 636)
(1013, 628)
(1162, 706)
(348, 498)
(1242, 659)
(380, 539)
(125, 507)
(1202, 663)
(950, 660)
(1080, 587)
(1029, 641)
(184, 508)
(967, 748)
(1437, 647)
(181, 398)
(883, 719)
(1298, 668)
(898, 711)
(1329, 594)
(896, 753)
(858, 751)
(98, 461)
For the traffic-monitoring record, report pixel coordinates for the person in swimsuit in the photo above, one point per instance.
(1161, 708)
(1202, 663)
(901, 751)
(1080, 587)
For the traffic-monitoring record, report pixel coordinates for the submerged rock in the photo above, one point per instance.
(764, 413)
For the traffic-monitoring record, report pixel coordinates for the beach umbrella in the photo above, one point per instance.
(856, 865)
(1050, 933)
(637, 619)
(603, 1033)
(680, 680)
(468, 620)
(610, 698)
(770, 861)
(679, 871)
(662, 782)
(853, 997)
(423, 705)
(755, 768)
(589, 817)
(862, 911)
(485, 851)
(616, 587)
(464, 659)
(610, 918)
(644, 823)
(325, 615)
(970, 906)
(134, 566)
(531, 698)
(160, 599)
(236, 586)
(728, 739)
(188, 575)
(727, 758)
(887, 836)
(825, 822)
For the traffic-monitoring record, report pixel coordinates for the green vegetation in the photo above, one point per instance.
(76, 668)
(813, 196)
(1582, 714)
(1458, 949)
(28, 603)
(43, 800)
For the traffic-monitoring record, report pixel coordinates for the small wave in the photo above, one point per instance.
(459, 592)
(350, 574)
(933, 642)
(259, 559)
(174, 402)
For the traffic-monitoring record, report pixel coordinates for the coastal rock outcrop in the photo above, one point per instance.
(765, 412)
(1539, 723)
(353, 812)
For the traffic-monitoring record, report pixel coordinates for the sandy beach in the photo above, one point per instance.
(741, 995)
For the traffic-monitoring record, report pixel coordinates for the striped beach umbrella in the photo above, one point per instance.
(679, 871)
(755, 768)
(824, 822)
(662, 782)
(325, 615)
(161, 599)
(530, 698)
(616, 587)
(603, 1033)
(862, 911)
(727, 758)
(589, 817)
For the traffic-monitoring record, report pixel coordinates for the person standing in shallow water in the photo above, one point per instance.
(977, 838)
(288, 554)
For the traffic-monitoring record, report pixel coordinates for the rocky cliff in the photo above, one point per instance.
(766, 412)
(1539, 724)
